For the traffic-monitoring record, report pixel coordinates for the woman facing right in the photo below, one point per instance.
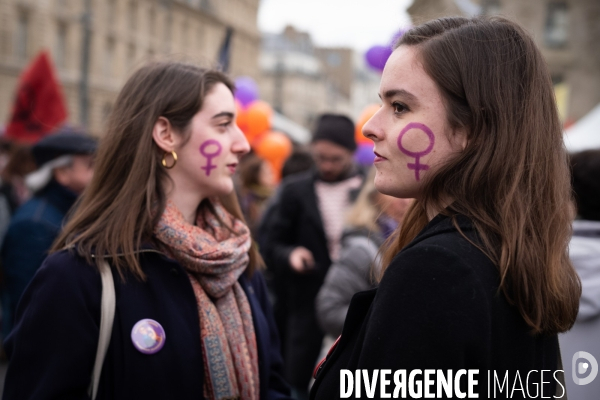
(478, 278)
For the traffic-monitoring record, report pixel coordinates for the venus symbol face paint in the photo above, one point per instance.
(417, 166)
(411, 131)
(216, 151)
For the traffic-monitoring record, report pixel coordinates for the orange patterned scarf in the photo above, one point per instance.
(214, 258)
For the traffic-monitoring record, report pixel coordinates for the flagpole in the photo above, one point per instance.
(85, 64)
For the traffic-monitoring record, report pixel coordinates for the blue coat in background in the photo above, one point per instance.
(31, 232)
(53, 345)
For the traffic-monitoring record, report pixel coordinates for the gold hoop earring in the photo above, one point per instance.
(164, 160)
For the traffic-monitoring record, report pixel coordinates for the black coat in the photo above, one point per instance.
(297, 222)
(438, 307)
(30, 235)
(53, 345)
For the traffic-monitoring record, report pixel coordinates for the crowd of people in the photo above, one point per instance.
(164, 262)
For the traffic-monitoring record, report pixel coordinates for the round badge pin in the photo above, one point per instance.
(148, 336)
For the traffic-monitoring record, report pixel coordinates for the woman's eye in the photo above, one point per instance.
(399, 107)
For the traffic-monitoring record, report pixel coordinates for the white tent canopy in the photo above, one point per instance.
(585, 134)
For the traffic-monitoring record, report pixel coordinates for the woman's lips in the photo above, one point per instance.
(378, 157)
(232, 167)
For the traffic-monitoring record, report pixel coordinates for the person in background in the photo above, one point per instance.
(65, 162)
(305, 238)
(584, 252)
(256, 187)
(192, 318)
(299, 161)
(370, 221)
(478, 277)
(16, 162)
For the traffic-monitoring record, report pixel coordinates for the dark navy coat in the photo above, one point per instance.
(53, 346)
(31, 232)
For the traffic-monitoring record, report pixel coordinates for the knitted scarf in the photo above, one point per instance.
(214, 258)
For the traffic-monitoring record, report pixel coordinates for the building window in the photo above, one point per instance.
(130, 56)
(185, 35)
(110, 12)
(106, 110)
(62, 5)
(132, 15)
(22, 35)
(557, 25)
(167, 26)
(200, 38)
(61, 45)
(334, 60)
(491, 7)
(109, 57)
(152, 21)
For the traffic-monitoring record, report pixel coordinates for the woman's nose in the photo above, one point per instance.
(372, 129)
(240, 144)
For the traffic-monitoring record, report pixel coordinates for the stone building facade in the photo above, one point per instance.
(566, 31)
(301, 80)
(124, 35)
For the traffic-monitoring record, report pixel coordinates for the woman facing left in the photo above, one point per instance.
(192, 318)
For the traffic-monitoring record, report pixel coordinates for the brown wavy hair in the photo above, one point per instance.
(125, 200)
(512, 179)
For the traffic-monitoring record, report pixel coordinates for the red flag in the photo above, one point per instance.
(39, 106)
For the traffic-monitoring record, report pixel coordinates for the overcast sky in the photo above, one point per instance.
(359, 24)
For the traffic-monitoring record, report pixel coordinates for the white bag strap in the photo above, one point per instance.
(107, 316)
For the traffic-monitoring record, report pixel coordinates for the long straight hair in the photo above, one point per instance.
(125, 200)
(512, 179)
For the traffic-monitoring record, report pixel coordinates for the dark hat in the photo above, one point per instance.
(338, 129)
(66, 141)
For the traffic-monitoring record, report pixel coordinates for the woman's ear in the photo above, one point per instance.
(164, 136)
(461, 138)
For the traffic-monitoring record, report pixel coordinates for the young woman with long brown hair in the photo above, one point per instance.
(478, 278)
(192, 319)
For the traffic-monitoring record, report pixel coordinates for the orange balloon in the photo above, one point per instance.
(366, 115)
(254, 120)
(275, 148)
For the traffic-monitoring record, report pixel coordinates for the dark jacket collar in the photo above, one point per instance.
(59, 196)
(443, 223)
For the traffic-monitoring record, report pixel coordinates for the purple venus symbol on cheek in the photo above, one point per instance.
(417, 166)
(209, 156)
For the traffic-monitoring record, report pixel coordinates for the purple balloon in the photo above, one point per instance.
(377, 56)
(246, 90)
(364, 154)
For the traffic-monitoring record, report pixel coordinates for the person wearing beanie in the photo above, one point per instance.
(65, 167)
(305, 239)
